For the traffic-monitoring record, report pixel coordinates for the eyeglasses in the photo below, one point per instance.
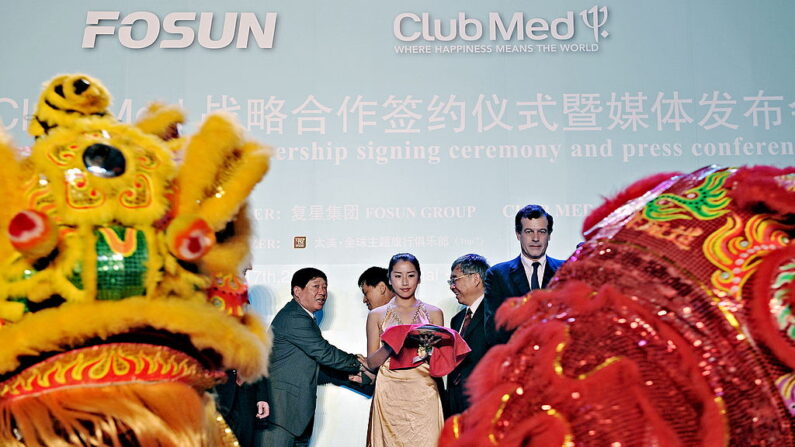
(452, 281)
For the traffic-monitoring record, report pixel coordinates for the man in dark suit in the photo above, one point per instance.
(244, 406)
(531, 270)
(466, 282)
(298, 351)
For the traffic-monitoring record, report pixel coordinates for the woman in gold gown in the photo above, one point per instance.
(406, 408)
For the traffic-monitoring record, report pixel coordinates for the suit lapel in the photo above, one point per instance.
(549, 272)
(477, 319)
(457, 320)
(297, 309)
(518, 279)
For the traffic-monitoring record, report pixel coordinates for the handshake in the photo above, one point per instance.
(364, 376)
(425, 337)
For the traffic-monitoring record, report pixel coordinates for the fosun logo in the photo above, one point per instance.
(237, 27)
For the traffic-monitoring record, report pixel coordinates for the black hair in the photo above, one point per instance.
(408, 257)
(532, 212)
(373, 276)
(302, 277)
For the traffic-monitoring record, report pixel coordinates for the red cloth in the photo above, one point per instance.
(446, 355)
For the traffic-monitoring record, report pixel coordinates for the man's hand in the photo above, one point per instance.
(364, 377)
(263, 410)
(370, 375)
(355, 378)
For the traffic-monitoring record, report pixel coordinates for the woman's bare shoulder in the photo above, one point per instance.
(431, 308)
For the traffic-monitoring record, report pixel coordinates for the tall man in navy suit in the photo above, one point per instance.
(531, 270)
(466, 282)
(298, 351)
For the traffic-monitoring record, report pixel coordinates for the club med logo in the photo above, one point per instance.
(181, 26)
(513, 32)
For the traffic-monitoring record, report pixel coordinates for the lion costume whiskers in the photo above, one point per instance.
(120, 296)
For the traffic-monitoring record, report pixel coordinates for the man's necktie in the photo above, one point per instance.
(534, 279)
(467, 320)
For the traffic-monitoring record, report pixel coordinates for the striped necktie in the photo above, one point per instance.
(467, 320)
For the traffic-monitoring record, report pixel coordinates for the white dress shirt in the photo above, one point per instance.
(528, 269)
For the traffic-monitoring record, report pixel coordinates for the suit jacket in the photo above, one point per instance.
(475, 336)
(340, 378)
(507, 280)
(238, 405)
(298, 351)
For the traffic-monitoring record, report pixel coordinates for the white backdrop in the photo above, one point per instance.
(422, 126)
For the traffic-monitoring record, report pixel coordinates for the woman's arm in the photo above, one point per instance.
(436, 316)
(376, 354)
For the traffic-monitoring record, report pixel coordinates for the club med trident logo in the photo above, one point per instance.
(179, 25)
(595, 18)
(503, 31)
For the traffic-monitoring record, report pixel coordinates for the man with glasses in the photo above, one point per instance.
(531, 270)
(466, 282)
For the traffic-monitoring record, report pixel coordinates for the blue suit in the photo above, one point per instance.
(507, 280)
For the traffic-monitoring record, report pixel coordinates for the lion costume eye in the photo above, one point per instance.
(104, 161)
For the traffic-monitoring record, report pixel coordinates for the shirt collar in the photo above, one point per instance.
(305, 310)
(528, 263)
(476, 304)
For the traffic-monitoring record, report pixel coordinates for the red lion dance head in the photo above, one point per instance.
(671, 325)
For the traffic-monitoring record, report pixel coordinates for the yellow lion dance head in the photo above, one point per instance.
(120, 301)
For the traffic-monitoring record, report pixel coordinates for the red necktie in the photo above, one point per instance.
(467, 320)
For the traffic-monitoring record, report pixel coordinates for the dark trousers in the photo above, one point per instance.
(276, 436)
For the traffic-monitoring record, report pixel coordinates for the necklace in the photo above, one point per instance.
(414, 317)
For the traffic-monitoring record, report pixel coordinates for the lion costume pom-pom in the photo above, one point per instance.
(111, 256)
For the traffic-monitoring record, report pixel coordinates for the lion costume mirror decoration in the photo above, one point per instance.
(120, 254)
(671, 325)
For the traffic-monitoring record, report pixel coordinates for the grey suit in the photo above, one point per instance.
(298, 351)
(507, 280)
